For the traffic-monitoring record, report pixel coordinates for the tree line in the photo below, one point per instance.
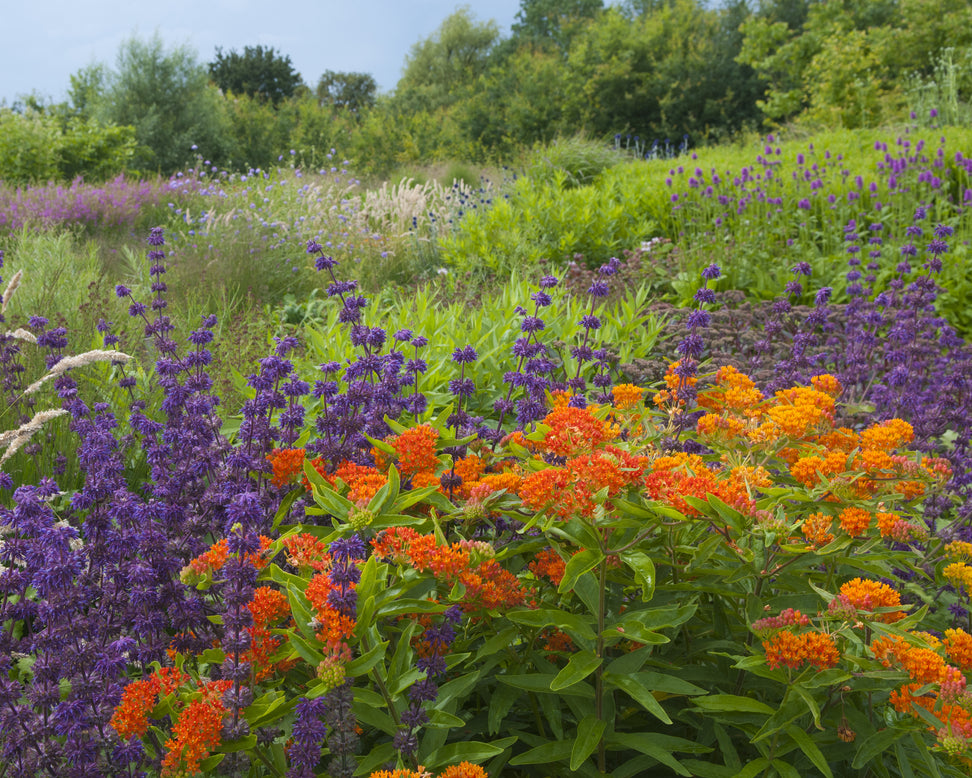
(651, 73)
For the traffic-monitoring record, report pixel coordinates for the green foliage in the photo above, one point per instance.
(842, 64)
(39, 147)
(166, 96)
(28, 147)
(577, 161)
(438, 69)
(354, 91)
(552, 22)
(257, 72)
(542, 219)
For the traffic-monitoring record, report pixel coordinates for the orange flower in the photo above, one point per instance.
(816, 529)
(363, 481)
(958, 646)
(549, 564)
(306, 550)
(867, 595)
(268, 606)
(627, 396)
(464, 770)
(827, 384)
(854, 521)
(785, 649)
(887, 435)
(288, 463)
(575, 431)
(212, 560)
(415, 449)
(131, 714)
(196, 732)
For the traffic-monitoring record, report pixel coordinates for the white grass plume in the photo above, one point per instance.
(11, 288)
(87, 358)
(13, 440)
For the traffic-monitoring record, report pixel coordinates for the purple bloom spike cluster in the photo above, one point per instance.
(374, 385)
(439, 639)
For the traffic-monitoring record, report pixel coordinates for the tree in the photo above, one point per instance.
(354, 91)
(439, 68)
(257, 72)
(552, 22)
(87, 88)
(166, 96)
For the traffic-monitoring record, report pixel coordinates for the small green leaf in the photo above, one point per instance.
(554, 751)
(589, 732)
(639, 694)
(577, 565)
(812, 751)
(874, 746)
(466, 751)
(552, 617)
(363, 663)
(581, 665)
(644, 570)
(732, 703)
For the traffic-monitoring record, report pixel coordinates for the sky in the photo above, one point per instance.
(43, 42)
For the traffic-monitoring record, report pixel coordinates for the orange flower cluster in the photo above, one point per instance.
(949, 702)
(816, 529)
(196, 732)
(575, 431)
(570, 490)
(268, 607)
(287, 463)
(672, 478)
(854, 521)
(958, 646)
(334, 627)
(307, 551)
(866, 595)
(461, 770)
(787, 649)
(415, 451)
(139, 697)
(734, 392)
(211, 562)
(547, 563)
(627, 396)
(669, 395)
(488, 586)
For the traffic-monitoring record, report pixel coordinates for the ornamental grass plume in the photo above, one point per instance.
(13, 440)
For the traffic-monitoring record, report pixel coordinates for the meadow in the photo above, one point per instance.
(602, 465)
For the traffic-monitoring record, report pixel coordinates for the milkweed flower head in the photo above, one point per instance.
(866, 595)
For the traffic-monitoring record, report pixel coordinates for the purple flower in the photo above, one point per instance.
(465, 355)
(712, 272)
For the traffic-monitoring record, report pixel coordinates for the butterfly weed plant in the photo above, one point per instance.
(536, 568)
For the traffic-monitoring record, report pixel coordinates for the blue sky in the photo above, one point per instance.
(42, 42)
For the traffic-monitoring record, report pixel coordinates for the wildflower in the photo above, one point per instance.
(867, 595)
(627, 396)
(548, 563)
(854, 521)
(287, 464)
(196, 732)
(786, 649)
(464, 770)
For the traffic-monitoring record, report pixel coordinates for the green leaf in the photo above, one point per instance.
(473, 751)
(810, 702)
(753, 769)
(243, 744)
(644, 570)
(581, 665)
(639, 694)
(808, 747)
(554, 751)
(874, 746)
(540, 684)
(500, 702)
(732, 703)
(552, 617)
(576, 566)
(589, 732)
(785, 769)
(646, 745)
(363, 663)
